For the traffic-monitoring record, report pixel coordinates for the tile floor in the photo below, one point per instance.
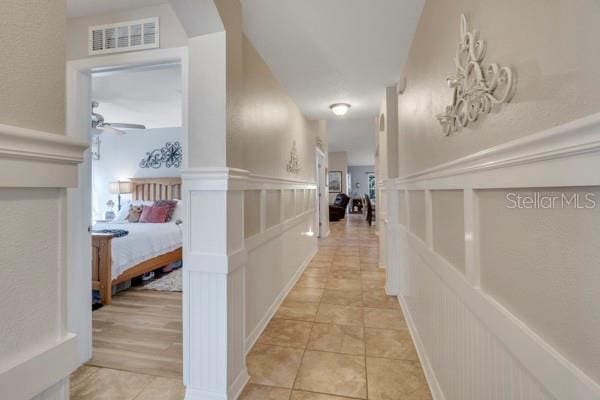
(337, 336)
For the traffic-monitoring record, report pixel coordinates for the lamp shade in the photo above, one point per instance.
(120, 187)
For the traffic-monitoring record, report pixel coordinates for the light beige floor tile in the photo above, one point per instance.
(163, 389)
(387, 343)
(287, 333)
(344, 284)
(396, 379)
(372, 285)
(316, 273)
(340, 315)
(273, 365)
(318, 282)
(384, 318)
(344, 274)
(110, 384)
(305, 295)
(341, 265)
(345, 339)
(259, 392)
(374, 275)
(297, 311)
(377, 298)
(342, 297)
(298, 395)
(332, 373)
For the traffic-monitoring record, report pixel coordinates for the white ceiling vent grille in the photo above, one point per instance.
(124, 36)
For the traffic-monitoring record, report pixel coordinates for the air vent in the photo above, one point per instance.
(124, 36)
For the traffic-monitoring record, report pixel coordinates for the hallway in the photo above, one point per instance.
(338, 333)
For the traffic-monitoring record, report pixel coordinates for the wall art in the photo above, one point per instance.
(171, 156)
(477, 88)
(334, 180)
(293, 165)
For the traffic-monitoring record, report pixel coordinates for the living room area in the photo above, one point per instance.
(352, 173)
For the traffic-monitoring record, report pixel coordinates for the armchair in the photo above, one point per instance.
(337, 210)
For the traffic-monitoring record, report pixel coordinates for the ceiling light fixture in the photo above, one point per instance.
(340, 109)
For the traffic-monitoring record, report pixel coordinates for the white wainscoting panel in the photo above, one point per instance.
(470, 344)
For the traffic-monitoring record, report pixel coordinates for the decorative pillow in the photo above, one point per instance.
(155, 214)
(167, 203)
(135, 212)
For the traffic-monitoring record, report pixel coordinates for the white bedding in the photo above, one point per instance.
(145, 241)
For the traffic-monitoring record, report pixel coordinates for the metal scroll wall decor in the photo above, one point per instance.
(477, 88)
(171, 156)
(293, 165)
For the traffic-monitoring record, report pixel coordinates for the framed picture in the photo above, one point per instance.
(334, 179)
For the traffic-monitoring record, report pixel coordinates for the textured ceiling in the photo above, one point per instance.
(80, 8)
(150, 97)
(331, 51)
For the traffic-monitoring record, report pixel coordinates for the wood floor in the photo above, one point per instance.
(337, 336)
(137, 349)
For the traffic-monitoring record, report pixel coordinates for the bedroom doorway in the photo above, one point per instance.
(131, 108)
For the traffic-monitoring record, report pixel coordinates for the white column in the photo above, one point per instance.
(214, 280)
(393, 258)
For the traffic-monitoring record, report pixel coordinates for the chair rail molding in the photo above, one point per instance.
(452, 319)
(477, 89)
(42, 159)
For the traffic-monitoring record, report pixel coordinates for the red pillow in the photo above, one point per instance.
(154, 214)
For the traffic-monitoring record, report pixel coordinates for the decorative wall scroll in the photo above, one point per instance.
(477, 88)
(319, 143)
(293, 165)
(171, 156)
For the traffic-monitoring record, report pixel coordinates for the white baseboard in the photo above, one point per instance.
(234, 392)
(434, 385)
(253, 337)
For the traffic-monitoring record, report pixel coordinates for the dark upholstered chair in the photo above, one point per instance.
(337, 210)
(370, 210)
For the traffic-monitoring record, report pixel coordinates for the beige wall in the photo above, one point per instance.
(172, 33)
(262, 119)
(32, 71)
(338, 161)
(542, 266)
(553, 47)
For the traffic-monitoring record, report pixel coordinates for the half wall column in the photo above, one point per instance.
(214, 283)
(392, 222)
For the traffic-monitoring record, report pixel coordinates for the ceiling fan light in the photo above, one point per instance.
(340, 109)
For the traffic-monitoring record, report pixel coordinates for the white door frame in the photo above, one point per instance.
(321, 195)
(78, 106)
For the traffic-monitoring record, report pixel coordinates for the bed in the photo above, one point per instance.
(147, 246)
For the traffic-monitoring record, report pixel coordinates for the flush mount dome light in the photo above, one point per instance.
(340, 109)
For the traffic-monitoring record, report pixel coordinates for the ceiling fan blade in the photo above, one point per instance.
(124, 125)
(110, 129)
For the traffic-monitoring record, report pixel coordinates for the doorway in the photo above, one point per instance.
(105, 145)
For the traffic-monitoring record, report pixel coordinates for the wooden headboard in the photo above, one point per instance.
(156, 189)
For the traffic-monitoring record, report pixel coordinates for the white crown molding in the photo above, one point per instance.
(42, 159)
(564, 142)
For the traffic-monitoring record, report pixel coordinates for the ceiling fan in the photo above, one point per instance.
(114, 127)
